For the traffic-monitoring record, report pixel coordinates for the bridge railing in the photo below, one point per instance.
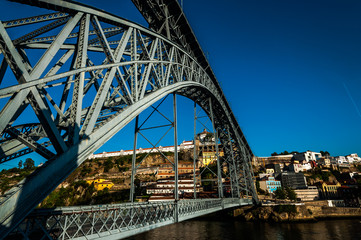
(116, 220)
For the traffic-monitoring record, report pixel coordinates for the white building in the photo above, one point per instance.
(352, 158)
(298, 167)
(341, 160)
(306, 167)
(183, 146)
(349, 159)
(308, 156)
(309, 194)
(164, 189)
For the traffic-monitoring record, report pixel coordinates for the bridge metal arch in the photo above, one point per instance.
(140, 68)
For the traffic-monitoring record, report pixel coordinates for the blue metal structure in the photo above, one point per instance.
(138, 67)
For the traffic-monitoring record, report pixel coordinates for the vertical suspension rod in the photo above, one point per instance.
(245, 180)
(176, 197)
(134, 158)
(194, 152)
(220, 187)
(235, 172)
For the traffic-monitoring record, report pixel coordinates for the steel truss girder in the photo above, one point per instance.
(117, 220)
(132, 81)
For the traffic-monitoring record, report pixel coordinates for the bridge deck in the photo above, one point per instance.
(116, 221)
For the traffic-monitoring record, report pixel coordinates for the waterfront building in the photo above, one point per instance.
(329, 190)
(293, 180)
(350, 195)
(270, 185)
(309, 194)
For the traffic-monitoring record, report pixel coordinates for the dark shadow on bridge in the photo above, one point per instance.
(32, 190)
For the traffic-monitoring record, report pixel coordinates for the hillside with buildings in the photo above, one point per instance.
(311, 176)
(286, 177)
(106, 177)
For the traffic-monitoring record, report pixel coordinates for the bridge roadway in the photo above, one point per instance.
(115, 221)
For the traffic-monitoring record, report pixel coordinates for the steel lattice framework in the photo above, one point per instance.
(91, 74)
(117, 220)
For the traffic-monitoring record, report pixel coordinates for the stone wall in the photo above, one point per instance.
(308, 212)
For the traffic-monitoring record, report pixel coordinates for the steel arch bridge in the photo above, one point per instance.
(85, 74)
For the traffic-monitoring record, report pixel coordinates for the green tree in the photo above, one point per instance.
(109, 164)
(291, 194)
(20, 164)
(280, 193)
(29, 163)
(325, 153)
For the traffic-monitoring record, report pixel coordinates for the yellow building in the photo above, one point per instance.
(100, 184)
(330, 187)
(209, 157)
(329, 190)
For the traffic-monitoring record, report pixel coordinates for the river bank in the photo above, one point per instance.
(312, 211)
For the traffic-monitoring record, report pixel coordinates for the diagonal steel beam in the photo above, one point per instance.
(36, 19)
(29, 142)
(54, 47)
(77, 100)
(41, 30)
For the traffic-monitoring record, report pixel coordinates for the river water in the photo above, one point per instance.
(215, 229)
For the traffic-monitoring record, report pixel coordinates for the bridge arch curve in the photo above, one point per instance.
(139, 68)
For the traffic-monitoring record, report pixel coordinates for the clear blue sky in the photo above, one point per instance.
(290, 69)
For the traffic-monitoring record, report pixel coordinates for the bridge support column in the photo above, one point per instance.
(195, 152)
(134, 159)
(176, 196)
(219, 172)
(235, 173)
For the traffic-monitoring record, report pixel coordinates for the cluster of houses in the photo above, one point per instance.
(163, 187)
(293, 170)
(280, 171)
